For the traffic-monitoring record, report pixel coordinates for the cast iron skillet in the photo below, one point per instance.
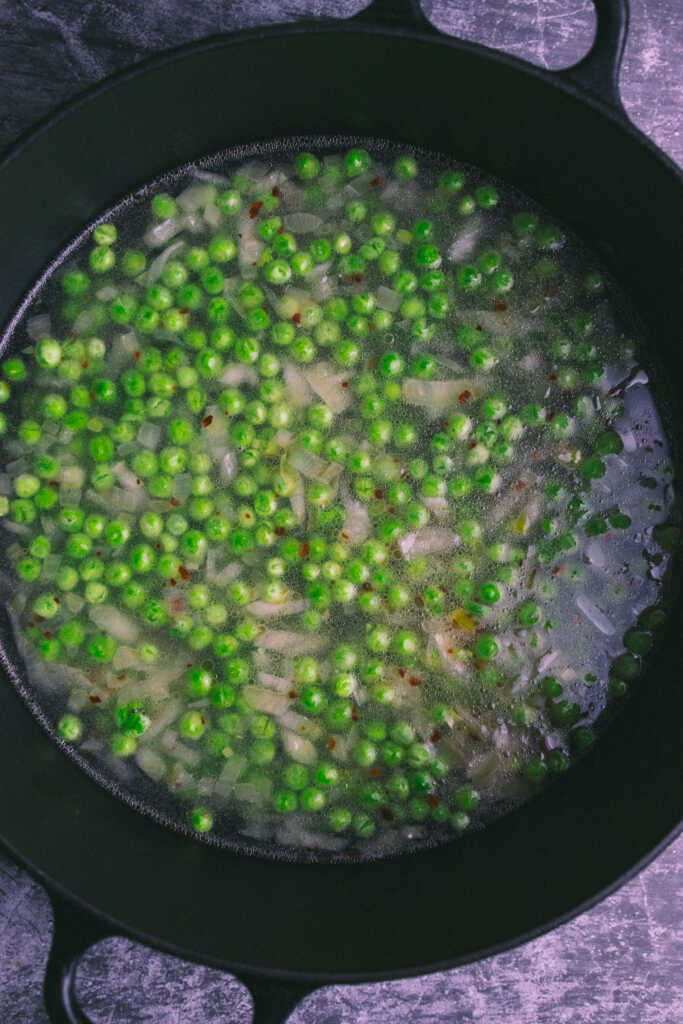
(286, 929)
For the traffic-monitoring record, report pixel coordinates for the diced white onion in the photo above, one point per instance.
(594, 615)
(159, 262)
(284, 640)
(109, 618)
(298, 747)
(327, 384)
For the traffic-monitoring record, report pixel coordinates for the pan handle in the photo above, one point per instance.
(597, 73)
(74, 933)
(274, 1000)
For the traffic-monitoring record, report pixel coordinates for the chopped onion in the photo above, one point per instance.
(594, 615)
(438, 395)
(182, 486)
(225, 783)
(237, 374)
(19, 528)
(151, 763)
(270, 610)
(284, 640)
(38, 327)
(214, 179)
(149, 435)
(298, 747)
(327, 384)
(194, 196)
(169, 714)
(109, 618)
(106, 293)
(357, 523)
(278, 683)
(253, 793)
(299, 391)
(159, 262)
(221, 577)
(302, 222)
(388, 299)
(163, 232)
(297, 501)
(430, 541)
(465, 242)
(212, 215)
(267, 701)
(307, 463)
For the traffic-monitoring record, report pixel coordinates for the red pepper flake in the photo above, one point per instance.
(304, 550)
(279, 231)
(472, 445)
(189, 665)
(436, 736)
(374, 772)
(345, 383)
(379, 493)
(137, 355)
(402, 672)
(173, 582)
(254, 209)
(48, 635)
(354, 715)
(275, 191)
(207, 421)
(558, 570)
(552, 376)
(500, 685)
(500, 306)
(414, 681)
(387, 813)
(177, 605)
(375, 182)
(418, 601)
(183, 573)
(55, 484)
(344, 535)
(449, 650)
(95, 700)
(296, 317)
(479, 328)
(367, 587)
(464, 397)
(84, 365)
(175, 502)
(31, 624)
(356, 277)
(331, 743)
(520, 485)
(293, 694)
(458, 728)
(280, 531)
(239, 234)
(391, 511)
(185, 310)
(442, 589)
(432, 801)
(203, 720)
(38, 618)
(121, 676)
(57, 601)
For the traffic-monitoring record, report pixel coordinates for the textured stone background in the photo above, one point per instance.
(621, 963)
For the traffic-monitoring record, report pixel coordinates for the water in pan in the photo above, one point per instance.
(335, 500)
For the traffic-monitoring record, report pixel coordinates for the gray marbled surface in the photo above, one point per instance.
(621, 963)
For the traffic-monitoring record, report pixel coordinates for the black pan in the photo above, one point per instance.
(564, 139)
